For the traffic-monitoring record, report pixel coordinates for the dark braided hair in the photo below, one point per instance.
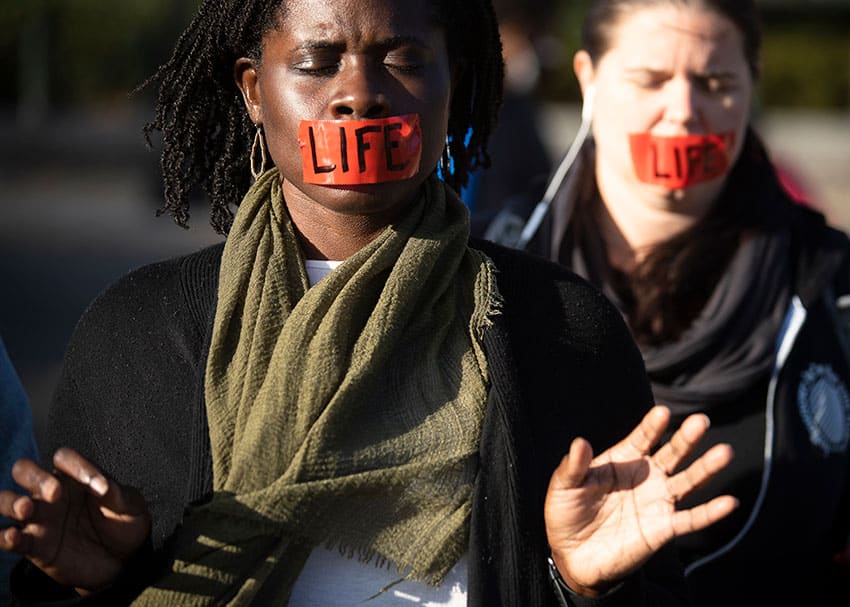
(206, 132)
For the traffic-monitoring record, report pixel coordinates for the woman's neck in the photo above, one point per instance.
(330, 234)
(332, 237)
(635, 220)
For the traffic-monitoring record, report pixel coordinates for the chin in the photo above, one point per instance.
(365, 198)
(695, 199)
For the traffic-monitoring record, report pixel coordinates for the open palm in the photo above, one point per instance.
(606, 516)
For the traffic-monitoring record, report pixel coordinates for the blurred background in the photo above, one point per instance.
(79, 189)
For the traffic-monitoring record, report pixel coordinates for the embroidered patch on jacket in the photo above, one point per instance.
(825, 408)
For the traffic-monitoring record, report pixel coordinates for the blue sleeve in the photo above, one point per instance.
(16, 441)
(16, 433)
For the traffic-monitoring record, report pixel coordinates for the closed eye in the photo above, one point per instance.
(404, 62)
(647, 79)
(316, 59)
(405, 54)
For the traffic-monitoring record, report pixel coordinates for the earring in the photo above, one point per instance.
(259, 142)
(446, 159)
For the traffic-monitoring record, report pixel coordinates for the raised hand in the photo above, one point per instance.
(76, 525)
(606, 516)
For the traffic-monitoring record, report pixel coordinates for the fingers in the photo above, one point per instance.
(39, 482)
(700, 517)
(700, 471)
(573, 468)
(682, 443)
(16, 507)
(19, 508)
(649, 431)
(44, 485)
(11, 539)
(120, 500)
(80, 469)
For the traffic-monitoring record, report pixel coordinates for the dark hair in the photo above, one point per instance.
(206, 132)
(604, 15)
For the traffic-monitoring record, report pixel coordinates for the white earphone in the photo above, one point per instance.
(533, 223)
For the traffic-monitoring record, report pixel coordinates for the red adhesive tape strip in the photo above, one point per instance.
(353, 152)
(680, 161)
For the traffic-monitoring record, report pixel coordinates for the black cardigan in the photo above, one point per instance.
(562, 364)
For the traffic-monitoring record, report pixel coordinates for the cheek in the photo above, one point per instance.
(283, 110)
(620, 110)
(613, 120)
(434, 113)
(733, 112)
(737, 119)
(433, 139)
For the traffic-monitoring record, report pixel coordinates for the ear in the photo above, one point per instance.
(583, 68)
(248, 80)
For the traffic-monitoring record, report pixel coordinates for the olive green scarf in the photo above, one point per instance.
(348, 413)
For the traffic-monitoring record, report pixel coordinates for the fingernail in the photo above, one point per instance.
(85, 478)
(99, 485)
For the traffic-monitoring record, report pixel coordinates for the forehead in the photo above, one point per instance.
(654, 37)
(356, 20)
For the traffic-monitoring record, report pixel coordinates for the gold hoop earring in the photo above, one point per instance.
(259, 142)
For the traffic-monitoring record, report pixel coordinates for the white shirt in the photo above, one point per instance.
(317, 269)
(332, 580)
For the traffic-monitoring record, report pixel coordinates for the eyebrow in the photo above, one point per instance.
(316, 45)
(636, 71)
(397, 41)
(386, 44)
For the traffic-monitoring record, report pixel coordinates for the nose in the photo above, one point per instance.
(359, 93)
(680, 110)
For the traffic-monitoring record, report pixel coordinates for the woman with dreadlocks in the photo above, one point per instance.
(349, 402)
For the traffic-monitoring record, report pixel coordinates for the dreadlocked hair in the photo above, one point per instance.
(472, 37)
(200, 112)
(206, 131)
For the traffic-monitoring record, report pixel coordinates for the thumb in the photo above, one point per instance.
(572, 470)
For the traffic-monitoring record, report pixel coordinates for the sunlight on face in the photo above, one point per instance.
(352, 60)
(670, 71)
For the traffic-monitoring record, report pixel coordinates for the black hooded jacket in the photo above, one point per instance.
(788, 542)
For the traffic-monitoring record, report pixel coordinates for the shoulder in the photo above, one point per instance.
(539, 292)
(139, 343)
(166, 293)
(811, 229)
(577, 368)
(574, 357)
(821, 254)
(186, 276)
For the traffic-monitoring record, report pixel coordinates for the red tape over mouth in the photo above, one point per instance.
(680, 161)
(356, 152)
